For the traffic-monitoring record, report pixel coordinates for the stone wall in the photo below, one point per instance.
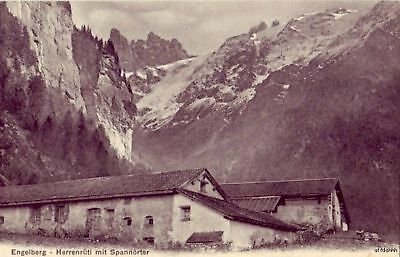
(244, 235)
(112, 219)
(335, 211)
(202, 219)
(15, 219)
(128, 219)
(308, 211)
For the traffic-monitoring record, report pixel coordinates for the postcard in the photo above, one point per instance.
(199, 128)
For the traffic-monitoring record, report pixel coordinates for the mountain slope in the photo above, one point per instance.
(317, 105)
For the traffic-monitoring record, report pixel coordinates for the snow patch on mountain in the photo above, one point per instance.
(342, 12)
(198, 103)
(259, 79)
(294, 28)
(226, 80)
(141, 74)
(245, 96)
(174, 65)
(159, 106)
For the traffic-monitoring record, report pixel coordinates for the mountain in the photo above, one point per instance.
(150, 52)
(66, 110)
(311, 98)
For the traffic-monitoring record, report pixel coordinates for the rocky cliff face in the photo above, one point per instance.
(49, 26)
(310, 98)
(50, 29)
(150, 52)
(108, 95)
(64, 102)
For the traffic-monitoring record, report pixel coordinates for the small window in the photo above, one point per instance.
(35, 214)
(59, 214)
(128, 221)
(149, 220)
(110, 216)
(185, 213)
(203, 186)
(149, 240)
(319, 200)
(128, 200)
(1, 220)
(48, 213)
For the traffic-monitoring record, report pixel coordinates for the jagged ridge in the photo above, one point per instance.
(150, 52)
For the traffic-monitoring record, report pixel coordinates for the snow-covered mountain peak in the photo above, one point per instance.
(226, 80)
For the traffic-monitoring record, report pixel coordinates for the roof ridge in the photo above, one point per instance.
(199, 170)
(269, 181)
(241, 212)
(103, 177)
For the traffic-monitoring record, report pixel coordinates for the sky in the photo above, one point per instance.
(201, 26)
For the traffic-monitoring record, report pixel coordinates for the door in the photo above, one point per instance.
(93, 218)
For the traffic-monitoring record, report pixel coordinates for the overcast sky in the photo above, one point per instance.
(201, 26)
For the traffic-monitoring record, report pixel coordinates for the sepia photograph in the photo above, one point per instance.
(200, 128)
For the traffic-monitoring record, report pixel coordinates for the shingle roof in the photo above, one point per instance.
(305, 187)
(263, 204)
(97, 188)
(236, 213)
(205, 237)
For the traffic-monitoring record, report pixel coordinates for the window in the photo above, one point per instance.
(149, 220)
(149, 240)
(203, 186)
(47, 212)
(185, 213)
(60, 214)
(110, 217)
(1, 220)
(127, 200)
(35, 214)
(128, 221)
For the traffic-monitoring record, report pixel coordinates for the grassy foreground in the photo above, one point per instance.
(24, 245)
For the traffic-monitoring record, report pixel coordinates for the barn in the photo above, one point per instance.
(304, 202)
(186, 206)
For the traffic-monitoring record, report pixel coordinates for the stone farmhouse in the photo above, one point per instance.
(307, 201)
(186, 206)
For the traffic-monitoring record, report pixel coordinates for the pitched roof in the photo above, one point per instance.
(233, 212)
(97, 188)
(263, 204)
(205, 237)
(304, 187)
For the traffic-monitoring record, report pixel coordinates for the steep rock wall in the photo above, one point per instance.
(49, 26)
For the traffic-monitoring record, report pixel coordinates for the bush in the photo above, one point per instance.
(311, 233)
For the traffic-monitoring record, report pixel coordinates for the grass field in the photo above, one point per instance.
(337, 245)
